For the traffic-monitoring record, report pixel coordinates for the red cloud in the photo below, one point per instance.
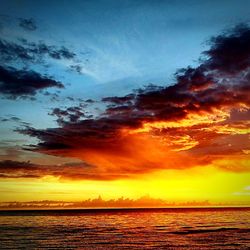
(186, 124)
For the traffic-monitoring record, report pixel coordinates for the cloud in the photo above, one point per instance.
(27, 24)
(71, 170)
(230, 52)
(30, 52)
(14, 119)
(77, 68)
(22, 84)
(185, 124)
(72, 114)
(144, 201)
(11, 119)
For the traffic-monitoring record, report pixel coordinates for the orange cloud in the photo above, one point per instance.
(202, 119)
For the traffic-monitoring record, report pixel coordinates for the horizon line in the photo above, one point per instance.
(120, 209)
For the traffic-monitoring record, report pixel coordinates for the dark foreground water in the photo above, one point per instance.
(126, 229)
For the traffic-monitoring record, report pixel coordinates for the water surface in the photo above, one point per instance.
(213, 228)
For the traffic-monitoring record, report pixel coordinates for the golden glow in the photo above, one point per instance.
(180, 143)
(195, 184)
(190, 120)
(149, 161)
(233, 129)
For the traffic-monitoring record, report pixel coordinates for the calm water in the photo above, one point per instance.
(126, 229)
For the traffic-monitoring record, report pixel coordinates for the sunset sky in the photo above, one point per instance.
(125, 98)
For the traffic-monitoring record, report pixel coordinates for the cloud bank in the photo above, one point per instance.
(201, 119)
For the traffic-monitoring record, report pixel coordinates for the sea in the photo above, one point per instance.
(137, 228)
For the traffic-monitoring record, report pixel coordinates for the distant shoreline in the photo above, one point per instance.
(85, 211)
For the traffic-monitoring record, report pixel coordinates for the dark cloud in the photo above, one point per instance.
(216, 85)
(71, 114)
(27, 24)
(30, 52)
(119, 100)
(83, 103)
(77, 68)
(89, 101)
(16, 165)
(11, 119)
(230, 52)
(71, 170)
(22, 84)
(13, 52)
(16, 120)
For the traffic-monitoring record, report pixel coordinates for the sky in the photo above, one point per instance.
(125, 98)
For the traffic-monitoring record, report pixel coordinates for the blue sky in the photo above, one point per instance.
(119, 45)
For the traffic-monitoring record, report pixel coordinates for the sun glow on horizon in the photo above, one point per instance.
(195, 184)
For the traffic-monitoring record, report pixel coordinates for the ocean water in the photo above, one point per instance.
(168, 228)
